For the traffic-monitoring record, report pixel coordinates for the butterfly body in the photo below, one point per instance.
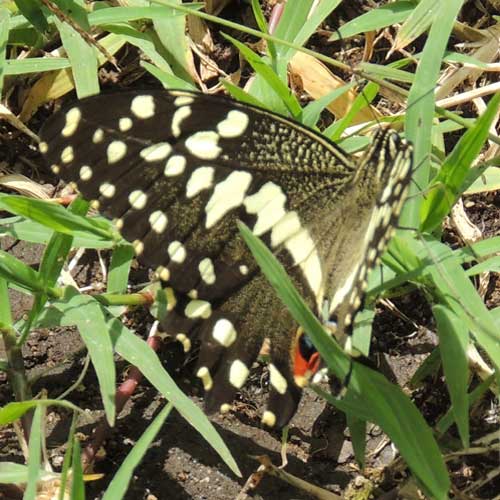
(177, 170)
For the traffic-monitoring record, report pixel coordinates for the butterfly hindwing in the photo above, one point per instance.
(177, 169)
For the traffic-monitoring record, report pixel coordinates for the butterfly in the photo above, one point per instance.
(176, 170)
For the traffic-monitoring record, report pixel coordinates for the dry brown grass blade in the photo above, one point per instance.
(91, 41)
(487, 52)
(23, 185)
(317, 80)
(7, 115)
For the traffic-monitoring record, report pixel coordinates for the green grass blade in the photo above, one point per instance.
(446, 187)
(169, 81)
(12, 473)
(240, 95)
(35, 65)
(171, 30)
(33, 232)
(77, 484)
(119, 484)
(55, 216)
(68, 454)
(4, 36)
(119, 268)
(370, 393)
(15, 271)
(309, 26)
(447, 420)
(453, 288)
(453, 342)
(421, 17)
(112, 15)
(137, 352)
(312, 112)
(78, 50)
(269, 76)
(87, 314)
(14, 411)
(5, 313)
(35, 453)
(420, 112)
(33, 13)
(145, 41)
(357, 430)
(487, 266)
(387, 72)
(375, 19)
(58, 248)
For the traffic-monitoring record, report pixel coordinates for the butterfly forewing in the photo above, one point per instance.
(176, 170)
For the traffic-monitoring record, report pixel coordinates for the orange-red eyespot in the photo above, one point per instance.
(306, 359)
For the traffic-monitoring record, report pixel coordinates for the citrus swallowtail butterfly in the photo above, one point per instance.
(177, 169)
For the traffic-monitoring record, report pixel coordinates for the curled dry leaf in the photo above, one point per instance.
(317, 80)
(204, 46)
